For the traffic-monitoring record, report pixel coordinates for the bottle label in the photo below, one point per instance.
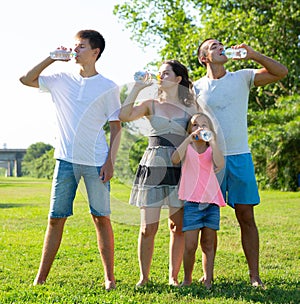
(235, 53)
(62, 54)
(205, 135)
(140, 76)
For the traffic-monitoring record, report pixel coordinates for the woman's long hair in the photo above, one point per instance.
(185, 88)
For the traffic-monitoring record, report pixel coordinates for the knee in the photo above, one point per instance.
(207, 245)
(190, 247)
(148, 230)
(56, 222)
(175, 228)
(246, 223)
(245, 216)
(101, 221)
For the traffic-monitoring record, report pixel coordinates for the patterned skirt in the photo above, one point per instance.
(156, 180)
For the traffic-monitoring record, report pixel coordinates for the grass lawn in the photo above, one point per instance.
(77, 275)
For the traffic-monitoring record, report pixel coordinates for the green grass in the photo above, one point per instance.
(77, 275)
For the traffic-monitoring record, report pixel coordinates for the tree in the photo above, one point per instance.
(34, 152)
(132, 147)
(44, 165)
(274, 138)
(176, 27)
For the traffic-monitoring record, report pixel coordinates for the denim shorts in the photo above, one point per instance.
(200, 215)
(64, 186)
(237, 179)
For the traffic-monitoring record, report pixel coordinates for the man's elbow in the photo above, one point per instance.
(123, 118)
(285, 72)
(22, 80)
(282, 73)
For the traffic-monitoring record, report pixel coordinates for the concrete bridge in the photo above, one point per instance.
(11, 159)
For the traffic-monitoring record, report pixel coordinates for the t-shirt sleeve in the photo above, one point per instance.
(249, 75)
(42, 84)
(46, 83)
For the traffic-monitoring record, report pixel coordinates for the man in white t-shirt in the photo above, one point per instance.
(225, 96)
(84, 102)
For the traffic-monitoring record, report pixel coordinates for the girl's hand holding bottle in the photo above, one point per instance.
(204, 134)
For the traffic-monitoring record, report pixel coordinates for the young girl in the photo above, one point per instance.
(200, 190)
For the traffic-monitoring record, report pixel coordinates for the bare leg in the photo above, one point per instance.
(250, 240)
(105, 239)
(176, 244)
(148, 229)
(208, 237)
(191, 239)
(52, 242)
(202, 279)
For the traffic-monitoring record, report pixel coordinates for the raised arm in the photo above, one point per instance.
(218, 157)
(179, 154)
(31, 78)
(272, 70)
(129, 111)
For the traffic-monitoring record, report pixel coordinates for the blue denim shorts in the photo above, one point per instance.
(238, 183)
(64, 186)
(200, 215)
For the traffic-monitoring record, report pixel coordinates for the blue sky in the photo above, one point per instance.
(30, 30)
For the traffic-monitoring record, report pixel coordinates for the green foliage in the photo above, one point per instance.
(136, 152)
(123, 93)
(132, 147)
(76, 275)
(44, 165)
(38, 161)
(274, 137)
(162, 24)
(176, 27)
(36, 150)
(130, 152)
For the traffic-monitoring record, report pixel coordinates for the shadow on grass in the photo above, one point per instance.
(275, 292)
(12, 205)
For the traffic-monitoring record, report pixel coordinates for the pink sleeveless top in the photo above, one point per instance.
(198, 182)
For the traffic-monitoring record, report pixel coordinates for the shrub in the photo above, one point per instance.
(274, 137)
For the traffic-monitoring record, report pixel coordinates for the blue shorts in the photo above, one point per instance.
(64, 186)
(237, 179)
(200, 215)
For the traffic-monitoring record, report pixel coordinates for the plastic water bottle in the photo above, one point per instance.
(206, 135)
(140, 76)
(60, 54)
(235, 53)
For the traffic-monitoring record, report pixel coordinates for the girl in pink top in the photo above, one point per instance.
(200, 190)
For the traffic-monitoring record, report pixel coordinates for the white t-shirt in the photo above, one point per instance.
(83, 105)
(226, 100)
